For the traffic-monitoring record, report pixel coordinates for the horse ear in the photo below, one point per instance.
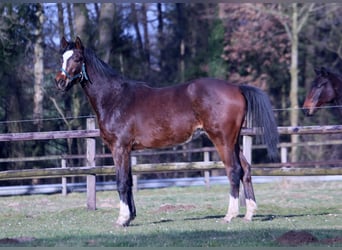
(64, 43)
(324, 71)
(78, 43)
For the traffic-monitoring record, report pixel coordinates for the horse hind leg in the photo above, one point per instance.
(234, 173)
(251, 205)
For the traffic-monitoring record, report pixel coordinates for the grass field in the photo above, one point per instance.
(175, 217)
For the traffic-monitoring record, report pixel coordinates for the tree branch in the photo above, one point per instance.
(305, 15)
(59, 111)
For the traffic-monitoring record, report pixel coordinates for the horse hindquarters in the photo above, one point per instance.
(221, 108)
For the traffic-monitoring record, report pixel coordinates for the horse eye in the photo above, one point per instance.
(78, 59)
(321, 84)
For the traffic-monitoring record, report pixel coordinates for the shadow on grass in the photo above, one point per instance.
(199, 238)
(261, 217)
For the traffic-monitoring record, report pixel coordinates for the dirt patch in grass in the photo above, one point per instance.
(170, 208)
(296, 238)
(332, 241)
(13, 241)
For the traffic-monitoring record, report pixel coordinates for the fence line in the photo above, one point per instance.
(90, 133)
(281, 169)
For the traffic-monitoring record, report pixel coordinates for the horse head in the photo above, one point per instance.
(73, 65)
(321, 91)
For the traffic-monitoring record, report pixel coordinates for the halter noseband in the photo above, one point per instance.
(82, 74)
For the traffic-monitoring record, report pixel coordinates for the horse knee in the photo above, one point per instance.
(247, 178)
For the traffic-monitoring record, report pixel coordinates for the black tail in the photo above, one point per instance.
(259, 111)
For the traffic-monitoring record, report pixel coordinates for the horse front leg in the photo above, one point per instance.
(124, 184)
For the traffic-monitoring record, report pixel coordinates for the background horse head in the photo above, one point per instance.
(325, 88)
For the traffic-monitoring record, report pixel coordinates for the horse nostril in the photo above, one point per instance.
(60, 83)
(308, 112)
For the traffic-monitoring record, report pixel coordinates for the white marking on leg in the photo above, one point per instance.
(124, 215)
(251, 207)
(233, 209)
(66, 56)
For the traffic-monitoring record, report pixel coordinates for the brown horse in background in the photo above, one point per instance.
(325, 88)
(132, 116)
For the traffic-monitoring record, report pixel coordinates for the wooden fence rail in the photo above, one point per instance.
(275, 169)
(91, 133)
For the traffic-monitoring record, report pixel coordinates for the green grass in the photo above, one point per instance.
(174, 217)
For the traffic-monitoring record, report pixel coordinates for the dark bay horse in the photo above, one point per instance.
(132, 116)
(325, 88)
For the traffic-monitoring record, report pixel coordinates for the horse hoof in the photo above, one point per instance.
(122, 223)
(228, 219)
(247, 220)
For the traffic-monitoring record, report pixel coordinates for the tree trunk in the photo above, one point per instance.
(107, 12)
(298, 22)
(160, 36)
(81, 25)
(61, 26)
(146, 40)
(180, 35)
(294, 81)
(38, 69)
(81, 22)
(71, 27)
(135, 21)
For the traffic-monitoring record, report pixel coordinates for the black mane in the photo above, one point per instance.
(328, 71)
(99, 65)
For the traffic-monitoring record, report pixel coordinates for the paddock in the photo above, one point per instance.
(176, 217)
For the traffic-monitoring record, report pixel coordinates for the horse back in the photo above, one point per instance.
(217, 100)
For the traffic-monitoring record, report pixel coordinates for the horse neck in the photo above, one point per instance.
(101, 90)
(337, 85)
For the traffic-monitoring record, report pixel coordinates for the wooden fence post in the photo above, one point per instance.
(283, 154)
(135, 176)
(90, 162)
(64, 179)
(283, 159)
(206, 156)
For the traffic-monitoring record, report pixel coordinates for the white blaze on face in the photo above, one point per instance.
(66, 56)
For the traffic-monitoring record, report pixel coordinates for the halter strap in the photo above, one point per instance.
(82, 74)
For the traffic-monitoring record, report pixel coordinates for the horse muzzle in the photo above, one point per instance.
(310, 106)
(309, 112)
(62, 84)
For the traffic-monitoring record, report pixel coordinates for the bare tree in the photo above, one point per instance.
(106, 19)
(38, 68)
(61, 26)
(293, 17)
(81, 21)
(146, 36)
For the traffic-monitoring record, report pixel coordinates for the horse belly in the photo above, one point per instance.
(169, 131)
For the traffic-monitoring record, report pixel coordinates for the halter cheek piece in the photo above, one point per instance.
(83, 74)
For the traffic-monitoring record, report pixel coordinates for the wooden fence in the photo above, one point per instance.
(283, 168)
